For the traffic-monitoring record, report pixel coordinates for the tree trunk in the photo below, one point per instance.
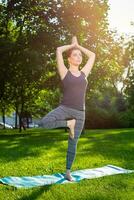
(3, 117)
(16, 113)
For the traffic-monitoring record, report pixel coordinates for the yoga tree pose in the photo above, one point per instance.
(71, 110)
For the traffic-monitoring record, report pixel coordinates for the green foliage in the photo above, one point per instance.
(129, 90)
(45, 102)
(126, 119)
(30, 32)
(107, 110)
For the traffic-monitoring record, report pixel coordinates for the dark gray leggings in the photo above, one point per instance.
(58, 118)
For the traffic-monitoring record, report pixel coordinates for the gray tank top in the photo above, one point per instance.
(74, 90)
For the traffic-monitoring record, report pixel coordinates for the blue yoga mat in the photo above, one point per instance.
(58, 178)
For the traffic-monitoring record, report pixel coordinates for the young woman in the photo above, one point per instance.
(71, 110)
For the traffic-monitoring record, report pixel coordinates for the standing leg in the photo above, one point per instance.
(72, 143)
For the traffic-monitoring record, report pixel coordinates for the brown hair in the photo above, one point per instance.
(68, 52)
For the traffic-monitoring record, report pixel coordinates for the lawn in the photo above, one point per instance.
(40, 151)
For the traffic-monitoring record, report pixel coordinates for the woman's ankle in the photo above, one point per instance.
(68, 170)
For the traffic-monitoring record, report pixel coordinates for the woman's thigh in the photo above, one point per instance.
(58, 113)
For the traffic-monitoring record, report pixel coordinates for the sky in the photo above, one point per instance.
(120, 15)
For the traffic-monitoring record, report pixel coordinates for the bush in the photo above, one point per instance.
(126, 119)
(102, 118)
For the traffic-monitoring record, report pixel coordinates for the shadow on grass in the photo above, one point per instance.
(115, 144)
(36, 193)
(14, 146)
(110, 144)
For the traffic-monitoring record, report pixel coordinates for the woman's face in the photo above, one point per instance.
(75, 57)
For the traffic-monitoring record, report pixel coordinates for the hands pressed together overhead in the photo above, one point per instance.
(75, 41)
(91, 55)
(84, 50)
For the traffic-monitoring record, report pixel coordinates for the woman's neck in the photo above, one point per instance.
(73, 69)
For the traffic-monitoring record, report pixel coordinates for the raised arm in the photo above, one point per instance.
(88, 66)
(59, 57)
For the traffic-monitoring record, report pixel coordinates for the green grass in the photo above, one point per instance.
(41, 151)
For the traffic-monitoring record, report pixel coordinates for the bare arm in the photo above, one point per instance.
(65, 47)
(88, 66)
(60, 62)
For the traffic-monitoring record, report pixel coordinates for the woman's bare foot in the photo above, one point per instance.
(68, 176)
(71, 125)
